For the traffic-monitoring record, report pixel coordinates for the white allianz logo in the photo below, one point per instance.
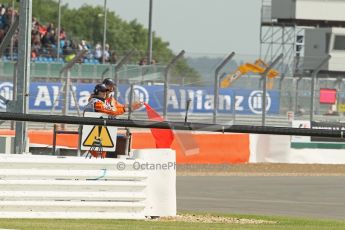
(255, 101)
(6, 90)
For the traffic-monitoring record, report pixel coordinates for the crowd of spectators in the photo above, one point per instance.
(44, 43)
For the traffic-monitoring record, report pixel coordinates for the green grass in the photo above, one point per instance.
(282, 223)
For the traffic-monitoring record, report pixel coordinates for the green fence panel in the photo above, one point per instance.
(8, 68)
(100, 70)
(39, 69)
(55, 69)
(75, 71)
(132, 73)
(88, 71)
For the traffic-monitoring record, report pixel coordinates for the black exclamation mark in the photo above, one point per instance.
(99, 132)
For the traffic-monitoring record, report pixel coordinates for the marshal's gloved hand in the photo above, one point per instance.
(137, 105)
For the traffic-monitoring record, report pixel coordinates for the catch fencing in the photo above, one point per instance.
(288, 95)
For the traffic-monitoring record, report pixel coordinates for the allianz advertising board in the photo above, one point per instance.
(42, 96)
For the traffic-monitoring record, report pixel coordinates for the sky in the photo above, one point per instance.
(200, 27)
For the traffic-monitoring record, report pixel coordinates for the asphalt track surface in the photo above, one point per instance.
(297, 196)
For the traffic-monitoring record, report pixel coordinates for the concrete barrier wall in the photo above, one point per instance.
(276, 149)
(75, 187)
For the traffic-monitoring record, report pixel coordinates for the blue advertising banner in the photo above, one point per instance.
(43, 95)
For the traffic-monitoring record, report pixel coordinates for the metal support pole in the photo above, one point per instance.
(282, 77)
(187, 110)
(80, 128)
(23, 80)
(166, 81)
(104, 30)
(216, 85)
(54, 138)
(131, 92)
(14, 82)
(149, 51)
(264, 96)
(66, 95)
(296, 94)
(313, 77)
(295, 73)
(128, 141)
(118, 66)
(233, 106)
(12, 39)
(75, 99)
(59, 31)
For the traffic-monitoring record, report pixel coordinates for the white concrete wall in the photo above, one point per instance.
(76, 187)
(276, 149)
(162, 194)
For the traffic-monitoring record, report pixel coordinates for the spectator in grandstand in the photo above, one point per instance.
(62, 34)
(34, 24)
(2, 9)
(2, 17)
(48, 40)
(113, 58)
(41, 29)
(143, 61)
(35, 36)
(98, 52)
(50, 27)
(153, 61)
(5, 20)
(35, 49)
(82, 45)
(106, 53)
(69, 50)
(8, 16)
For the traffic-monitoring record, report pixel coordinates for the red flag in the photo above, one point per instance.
(163, 137)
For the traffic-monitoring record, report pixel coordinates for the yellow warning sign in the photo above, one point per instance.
(99, 133)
